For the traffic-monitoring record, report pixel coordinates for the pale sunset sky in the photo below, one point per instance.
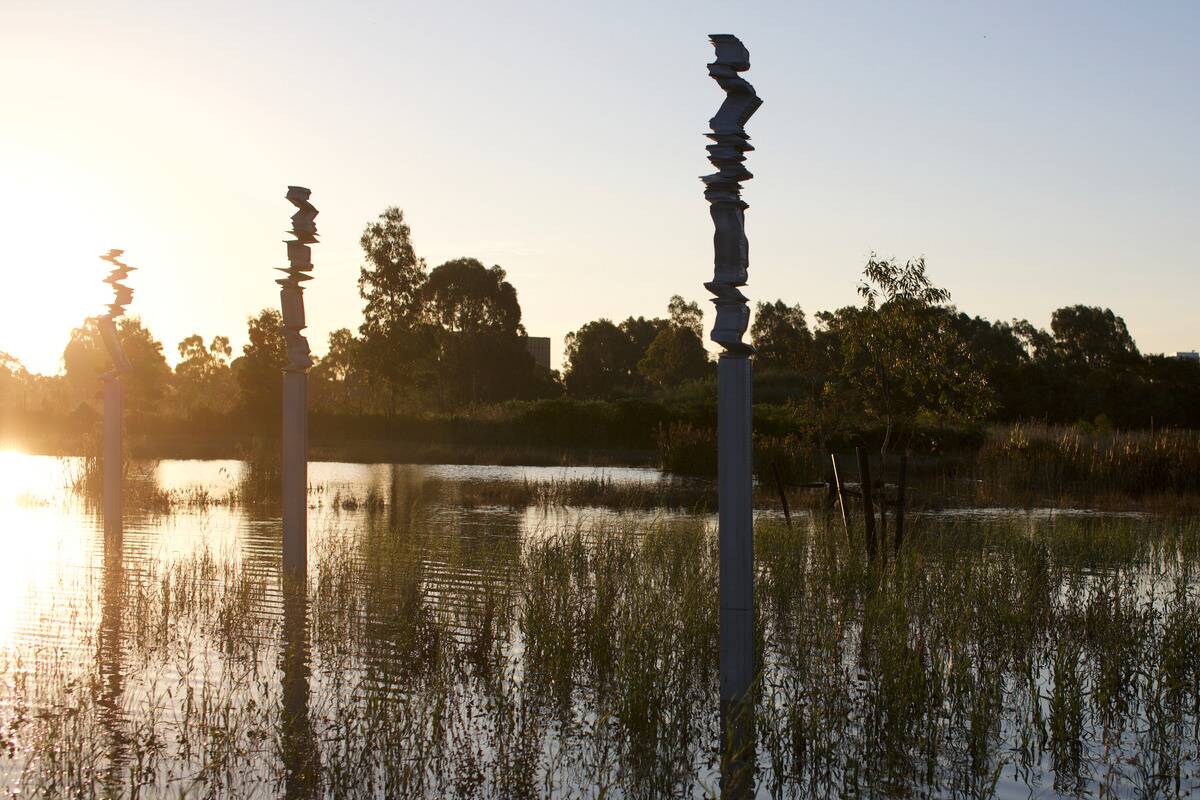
(1038, 154)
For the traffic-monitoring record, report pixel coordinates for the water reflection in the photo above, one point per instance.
(110, 653)
(300, 753)
(440, 625)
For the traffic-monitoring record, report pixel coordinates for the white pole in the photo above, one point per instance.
(736, 528)
(112, 450)
(113, 464)
(295, 472)
(294, 465)
(731, 264)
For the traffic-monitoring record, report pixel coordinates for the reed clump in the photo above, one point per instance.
(1073, 463)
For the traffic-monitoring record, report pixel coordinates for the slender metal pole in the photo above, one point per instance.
(113, 458)
(295, 472)
(735, 486)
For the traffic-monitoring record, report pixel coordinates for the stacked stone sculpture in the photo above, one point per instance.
(291, 293)
(122, 296)
(723, 190)
(295, 382)
(113, 452)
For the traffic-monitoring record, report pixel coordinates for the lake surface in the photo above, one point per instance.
(455, 640)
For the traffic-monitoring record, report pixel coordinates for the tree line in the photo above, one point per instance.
(451, 339)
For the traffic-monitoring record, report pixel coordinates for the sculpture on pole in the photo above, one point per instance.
(295, 381)
(113, 464)
(723, 190)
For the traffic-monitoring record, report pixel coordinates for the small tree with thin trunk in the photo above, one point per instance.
(902, 354)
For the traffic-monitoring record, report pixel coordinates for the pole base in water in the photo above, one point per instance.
(295, 472)
(113, 466)
(735, 484)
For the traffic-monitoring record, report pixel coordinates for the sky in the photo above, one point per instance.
(1036, 154)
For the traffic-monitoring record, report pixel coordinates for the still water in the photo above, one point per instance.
(456, 638)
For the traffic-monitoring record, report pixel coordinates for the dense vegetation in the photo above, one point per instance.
(1013, 657)
(440, 357)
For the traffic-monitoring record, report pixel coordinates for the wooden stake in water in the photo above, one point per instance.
(294, 471)
(864, 482)
(723, 190)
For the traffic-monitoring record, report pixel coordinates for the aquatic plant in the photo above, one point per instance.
(580, 660)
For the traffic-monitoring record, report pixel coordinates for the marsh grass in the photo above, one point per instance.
(582, 661)
(1155, 469)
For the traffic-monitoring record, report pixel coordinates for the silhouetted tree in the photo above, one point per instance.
(203, 378)
(259, 371)
(15, 382)
(1093, 337)
(597, 360)
(780, 336)
(639, 333)
(394, 341)
(482, 356)
(145, 384)
(337, 384)
(676, 355)
(463, 296)
(686, 315)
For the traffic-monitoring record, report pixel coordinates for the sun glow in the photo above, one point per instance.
(52, 273)
(37, 544)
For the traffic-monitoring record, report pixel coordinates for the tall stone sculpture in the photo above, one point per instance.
(113, 464)
(295, 381)
(723, 190)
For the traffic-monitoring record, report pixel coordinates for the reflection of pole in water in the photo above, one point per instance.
(295, 381)
(723, 190)
(108, 656)
(301, 757)
(112, 455)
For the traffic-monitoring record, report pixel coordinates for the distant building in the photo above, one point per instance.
(1188, 355)
(539, 348)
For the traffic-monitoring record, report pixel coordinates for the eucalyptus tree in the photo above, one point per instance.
(903, 355)
(396, 344)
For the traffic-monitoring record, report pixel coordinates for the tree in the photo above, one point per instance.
(780, 336)
(1094, 338)
(259, 371)
(14, 380)
(676, 355)
(481, 350)
(463, 296)
(203, 378)
(597, 360)
(337, 378)
(148, 379)
(685, 315)
(902, 354)
(394, 342)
